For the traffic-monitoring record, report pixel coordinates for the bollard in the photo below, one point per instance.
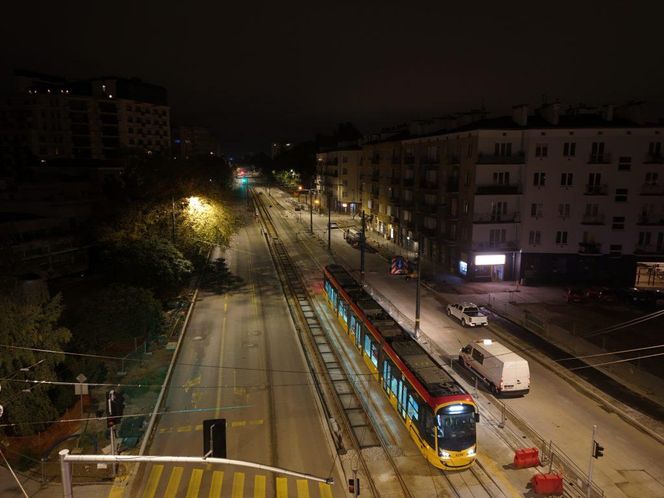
(65, 470)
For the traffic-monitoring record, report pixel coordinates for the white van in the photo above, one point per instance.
(505, 372)
(352, 236)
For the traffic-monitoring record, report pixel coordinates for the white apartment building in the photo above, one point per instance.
(543, 197)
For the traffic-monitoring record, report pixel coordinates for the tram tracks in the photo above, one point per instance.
(475, 481)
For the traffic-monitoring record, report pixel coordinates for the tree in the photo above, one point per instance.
(115, 314)
(151, 262)
(30, 325)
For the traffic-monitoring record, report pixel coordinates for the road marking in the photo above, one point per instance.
(153, 481)
(194, 381)
(194, 483)
(184, 428)
(282, 487)
(198, 427)
(221, 357)
(238, 423)
(259, 487)
(302, 488)
(325, 490)
(217, 481)
(256, 422)
(116, 491)
(174, 482)
(238, 485)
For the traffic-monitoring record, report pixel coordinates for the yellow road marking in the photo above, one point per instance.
(116, 491)
(282, 487)
(302, 488)
(153, 481)
(259, 487)
(325, 490)
(256, 422)
(194, 483)
(184, 428)
(238, 423)
(217, 481)
(238, 485)
(174, 482)
(198, 427)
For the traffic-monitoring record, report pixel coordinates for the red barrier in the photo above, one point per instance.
(548, 484)
(526, 457)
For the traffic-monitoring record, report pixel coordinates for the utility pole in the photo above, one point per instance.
(173, 218)
(329, 220)
(590, 463)
(311, 211)
(362, 247)
(417, 292)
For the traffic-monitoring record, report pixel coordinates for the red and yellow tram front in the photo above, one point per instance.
(456, 439)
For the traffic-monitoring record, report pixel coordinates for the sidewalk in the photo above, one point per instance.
(542, 310)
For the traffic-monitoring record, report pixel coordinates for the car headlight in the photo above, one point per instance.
(444, 454)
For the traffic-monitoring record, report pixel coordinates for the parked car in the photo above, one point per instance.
(468, 314)
(504, 371)
(576, 295)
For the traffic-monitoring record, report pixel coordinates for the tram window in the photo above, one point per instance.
(427, 428)
(394, 384)
(343, 310)
(358, 334)
(374, 353)
(367, 343)
(352, 321)
(413, 408)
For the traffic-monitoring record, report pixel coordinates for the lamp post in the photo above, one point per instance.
(329, 220)
(311, 211)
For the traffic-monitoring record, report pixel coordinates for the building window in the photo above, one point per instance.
(615, 249)
(503, 149)
(539, 179)
(563, 210)
(566, 179)
(534, 237)
(466, 180)
(541, 150)
(501, 177)
(561, 238)
(655, 149)
(496, 237)
(625, 163)
(644, 238)
(536, 210)
(621, 195)
(597, 152)
(651, 178)
(569, 149)
(618, 223)
(466, 208)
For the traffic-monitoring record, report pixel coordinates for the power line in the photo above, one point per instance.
(610, 353)
(617, 361)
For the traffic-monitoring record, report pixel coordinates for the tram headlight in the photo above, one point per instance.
(444, 455)
(471, 451)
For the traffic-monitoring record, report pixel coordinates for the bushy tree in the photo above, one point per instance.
(115, 314)
(152, 262)
(30, 325)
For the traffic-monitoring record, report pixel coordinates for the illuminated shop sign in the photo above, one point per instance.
(489, 259)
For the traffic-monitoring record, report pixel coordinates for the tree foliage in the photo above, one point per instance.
(30, 325)
(115, 314)
(151, 262)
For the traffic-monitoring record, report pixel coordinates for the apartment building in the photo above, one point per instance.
(549, 196)
(338, 181)
(194, 141)
(49, 117)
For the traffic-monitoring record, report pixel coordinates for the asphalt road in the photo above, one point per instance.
(241, 361)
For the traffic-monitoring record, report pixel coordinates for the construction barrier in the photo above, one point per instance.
(548, 484)
(526, 457)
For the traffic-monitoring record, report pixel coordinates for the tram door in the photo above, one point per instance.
(402, 397)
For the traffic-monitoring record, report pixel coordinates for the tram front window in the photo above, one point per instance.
(455, 427)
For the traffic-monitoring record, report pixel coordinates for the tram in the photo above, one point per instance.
(438, 413)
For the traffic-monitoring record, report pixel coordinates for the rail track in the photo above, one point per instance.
(475, 482)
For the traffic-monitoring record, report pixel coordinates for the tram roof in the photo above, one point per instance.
(434, 378)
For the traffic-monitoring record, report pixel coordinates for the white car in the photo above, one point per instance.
(468, 314)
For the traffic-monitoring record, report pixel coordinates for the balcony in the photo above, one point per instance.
(592, 219)
(498, 189)
(650, 219)
(429, 160)
(480, 218)
(590, 248)
(332, 162)
(395, 202)
(452, 159)
(394, 219)
(649, 249)
(652, 189)
(409, 159)
(492, 245)
(599, 159)
(332, 174)
(596, 189)
(654, 159)
(429, 232)
(516, 158)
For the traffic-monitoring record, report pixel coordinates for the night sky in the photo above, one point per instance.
(256, 72)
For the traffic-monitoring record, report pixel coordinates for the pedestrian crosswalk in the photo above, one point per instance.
(177, 481)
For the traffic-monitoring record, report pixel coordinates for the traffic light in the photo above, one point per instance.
(114, 407)
(598, 450)
(354, 486)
